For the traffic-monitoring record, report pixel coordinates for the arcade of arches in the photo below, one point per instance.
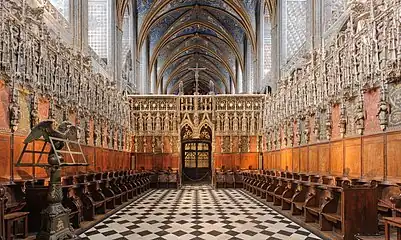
(196, 119)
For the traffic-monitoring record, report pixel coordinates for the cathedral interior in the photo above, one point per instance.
(200, 119)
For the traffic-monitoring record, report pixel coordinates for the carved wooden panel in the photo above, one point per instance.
(313, 161)
(4, 157)
(336, 161)
(393, 156)
(266, 161)
(303, 159)
(324, 159)
(373, 157)
(353, 157)
(296, 159)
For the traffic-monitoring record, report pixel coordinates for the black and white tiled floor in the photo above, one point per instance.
(197, 212)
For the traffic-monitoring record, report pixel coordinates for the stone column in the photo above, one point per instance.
(118, 58)
(161, 85)
(248, 86)
(143, 69)
(259, 81)
(133, 44)
(79, 22)
(239, 77)
(112, 42)
(276, 46)
(153, 79)
(232, 87)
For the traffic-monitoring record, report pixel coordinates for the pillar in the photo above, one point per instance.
(79, 21)
(239, 74)
(259, 81)
(248, 74)
(143, 68)
(133, 44)
(153, 79)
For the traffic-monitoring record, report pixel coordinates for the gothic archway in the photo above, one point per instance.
(196, 155)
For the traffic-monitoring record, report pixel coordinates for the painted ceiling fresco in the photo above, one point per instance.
(183, 33)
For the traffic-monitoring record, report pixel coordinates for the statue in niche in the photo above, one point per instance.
(226, 123)
(252, 130)
(360, 116)
(140, 122)
(166, 123)
(307, 130)
(243, 123)
(384, 110)
(15, 111)
(218, 123)
(235, 122)
(328, 123)
(343, 120)
(34, 111)
(87, 131)
(316, 128)
(158, 123)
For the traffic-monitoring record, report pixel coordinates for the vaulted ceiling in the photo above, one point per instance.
(184, 33)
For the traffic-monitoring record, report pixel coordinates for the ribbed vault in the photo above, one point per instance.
(180, 34)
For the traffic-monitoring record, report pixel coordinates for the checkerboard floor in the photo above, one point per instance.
(197, 212)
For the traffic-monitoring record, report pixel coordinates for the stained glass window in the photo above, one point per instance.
(63, 6)
(267, 46)
(294, 27)
(99, 27)
(332, 10)
(126, 39)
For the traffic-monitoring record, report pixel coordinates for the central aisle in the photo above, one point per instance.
(197, 212)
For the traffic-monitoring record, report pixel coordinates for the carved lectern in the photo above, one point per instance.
(61, 145)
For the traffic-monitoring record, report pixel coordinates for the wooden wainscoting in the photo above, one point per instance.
(372, 157)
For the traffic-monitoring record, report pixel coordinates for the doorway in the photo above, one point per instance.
(196, 162)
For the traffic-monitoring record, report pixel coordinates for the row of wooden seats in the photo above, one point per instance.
(93, 193)
(12, 202)
(335, 205)
(165, 179)
(87, 194)
(228, 179)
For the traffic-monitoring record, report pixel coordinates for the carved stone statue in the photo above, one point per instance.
(360, 116)
(343, 120)
(15, 112)
(384, 110)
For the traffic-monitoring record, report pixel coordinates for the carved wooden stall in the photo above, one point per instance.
(335, 207)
